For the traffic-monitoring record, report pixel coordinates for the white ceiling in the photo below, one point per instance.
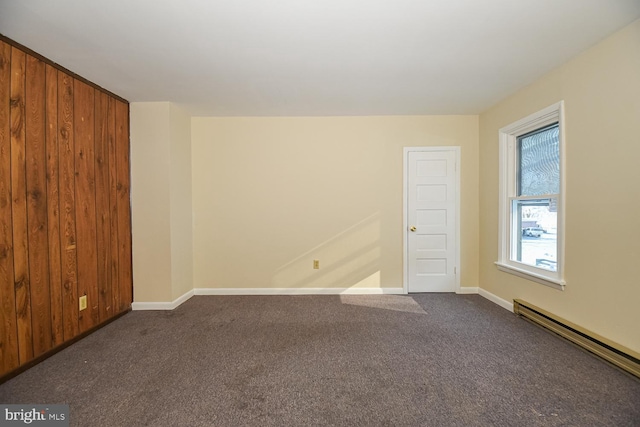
(314, 57)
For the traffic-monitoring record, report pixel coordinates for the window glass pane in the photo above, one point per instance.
(539, 162)
(536, 243)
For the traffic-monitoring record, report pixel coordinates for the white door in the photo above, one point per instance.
(431, 219)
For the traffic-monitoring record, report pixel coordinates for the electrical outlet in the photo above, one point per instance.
(83, 302)
(316, 264)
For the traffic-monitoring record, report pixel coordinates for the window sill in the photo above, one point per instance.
(539, 278)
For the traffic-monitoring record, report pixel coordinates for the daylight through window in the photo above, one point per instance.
(531, 197)
(534, 208)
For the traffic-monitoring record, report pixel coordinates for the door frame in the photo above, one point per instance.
(405, 201)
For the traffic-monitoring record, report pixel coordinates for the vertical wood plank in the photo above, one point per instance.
(37, 232)
(68, 250)
(103, 219)
(64, 186)
(53, 204)
(113, 206)
(124, 207)
(19, 213)
(84, 99)
(8, 327)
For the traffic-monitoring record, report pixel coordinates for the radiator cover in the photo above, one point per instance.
(614, 353)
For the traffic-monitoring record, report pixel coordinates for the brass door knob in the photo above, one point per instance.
(413, 228)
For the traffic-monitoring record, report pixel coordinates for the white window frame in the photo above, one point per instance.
(508, 136)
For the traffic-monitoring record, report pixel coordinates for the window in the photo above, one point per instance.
(531, 197)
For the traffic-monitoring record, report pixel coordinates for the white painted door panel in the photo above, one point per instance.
(431, 218)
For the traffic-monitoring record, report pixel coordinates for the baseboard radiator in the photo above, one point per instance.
(614, 353)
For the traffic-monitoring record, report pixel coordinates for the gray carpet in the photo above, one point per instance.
(422, 360)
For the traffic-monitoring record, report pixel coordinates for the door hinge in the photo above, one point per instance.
(455, 270)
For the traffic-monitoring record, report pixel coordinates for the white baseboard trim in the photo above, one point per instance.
(304, 291)
(162, 305)
(262, 291)
(467, 290)
(297, 291)
(496, 299)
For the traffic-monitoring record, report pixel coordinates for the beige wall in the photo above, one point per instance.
(272, 194)
(601, 90)
(161, 201)
(150, 201)
(181, 203)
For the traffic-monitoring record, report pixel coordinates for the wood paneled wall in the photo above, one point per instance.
(65, 223)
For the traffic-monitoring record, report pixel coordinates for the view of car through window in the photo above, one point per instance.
(532, 232)
(538, 175)
(538, 242)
